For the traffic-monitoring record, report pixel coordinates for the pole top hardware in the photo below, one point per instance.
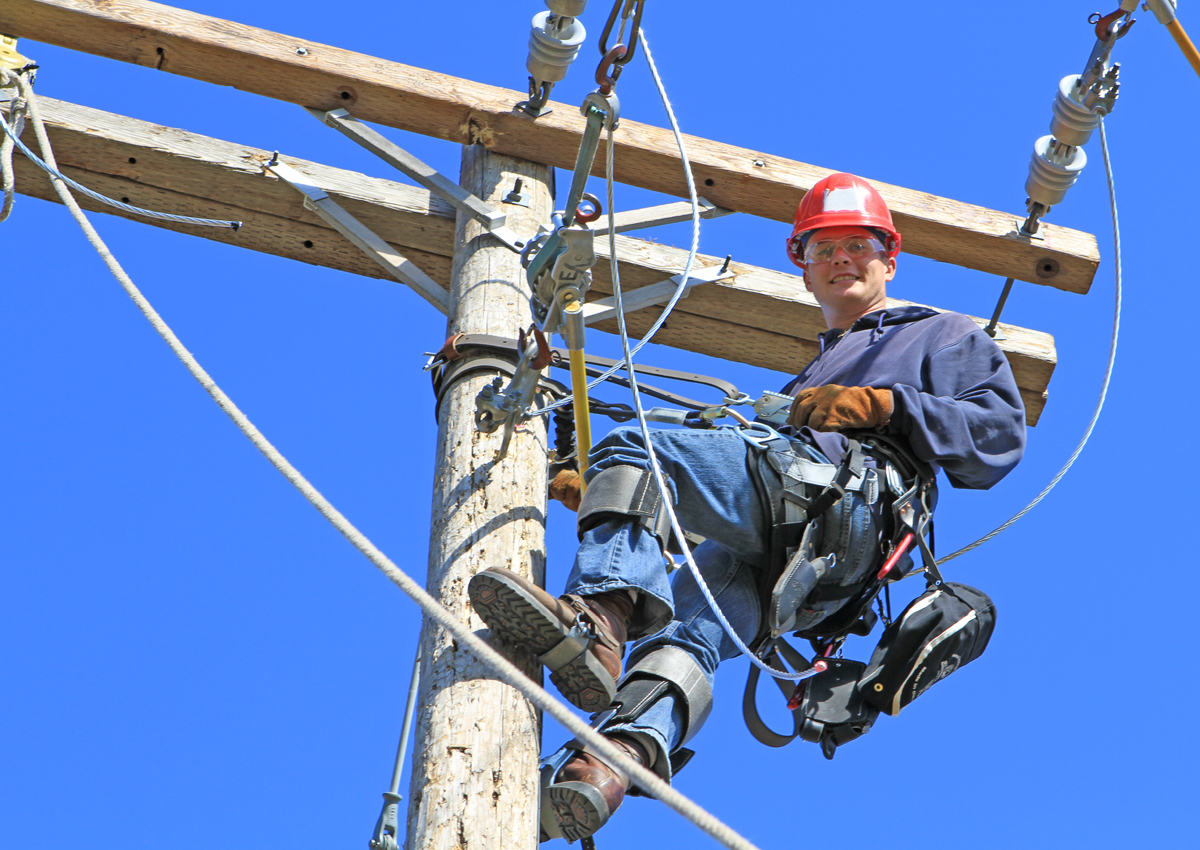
(9, 57)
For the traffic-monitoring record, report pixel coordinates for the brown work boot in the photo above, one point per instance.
(580, 639)
(588, 790)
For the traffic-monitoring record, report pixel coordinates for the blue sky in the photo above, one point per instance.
(192, 656)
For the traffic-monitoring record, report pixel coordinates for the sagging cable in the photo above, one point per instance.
(655, 467)
(505, 670)
(9, 78)
(693, 251)
(1108, 370)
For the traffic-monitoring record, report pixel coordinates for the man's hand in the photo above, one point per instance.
(836, 408)
(566, 488)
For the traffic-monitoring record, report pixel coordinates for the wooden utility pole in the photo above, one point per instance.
(474, 780)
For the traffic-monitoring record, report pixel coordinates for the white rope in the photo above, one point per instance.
(633, 385)
(1108, 370)
(16, 112)
(52, 169)
(504, 669)
(681, 287)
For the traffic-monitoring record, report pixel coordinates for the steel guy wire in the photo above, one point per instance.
(681, 287)
(1108, 369)
(637, 397)
(505, 670)
(53, 171)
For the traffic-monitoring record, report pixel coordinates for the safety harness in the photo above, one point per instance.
(796, 595)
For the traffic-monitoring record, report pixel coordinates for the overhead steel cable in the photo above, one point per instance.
(655, 467)
(504, 669)
(52, 169)
(1108, 369)
(693, 251)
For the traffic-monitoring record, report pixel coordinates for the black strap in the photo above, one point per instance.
(597, 366)
(851, 468)
(754, 722)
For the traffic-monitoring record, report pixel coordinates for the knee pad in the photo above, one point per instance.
(625, 492)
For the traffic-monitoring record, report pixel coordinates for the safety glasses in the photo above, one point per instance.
(855, 247)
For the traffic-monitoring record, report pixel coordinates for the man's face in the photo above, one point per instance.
(846, 284)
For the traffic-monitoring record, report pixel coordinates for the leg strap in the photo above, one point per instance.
(624, 492)
(668, 670)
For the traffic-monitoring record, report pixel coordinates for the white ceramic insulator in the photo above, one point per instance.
(567, 8)
(1073, 123)
(552, 50)
(1049, 180)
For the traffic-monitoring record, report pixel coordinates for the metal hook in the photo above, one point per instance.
(597, 209)
(604, 79)
(1104, 25)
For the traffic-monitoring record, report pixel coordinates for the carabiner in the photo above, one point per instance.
(633, 33)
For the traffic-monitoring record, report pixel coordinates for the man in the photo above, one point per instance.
(933, 382)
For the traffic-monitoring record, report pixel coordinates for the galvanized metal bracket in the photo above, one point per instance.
(426, 175)
(658, 215)
(648, 296)
(363, 238)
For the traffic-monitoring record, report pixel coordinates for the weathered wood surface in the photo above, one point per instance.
(474, 779)
(372, 89)
(761, 317)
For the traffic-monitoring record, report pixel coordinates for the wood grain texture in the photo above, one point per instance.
(761, 317)
(474, 780)
(376, 90)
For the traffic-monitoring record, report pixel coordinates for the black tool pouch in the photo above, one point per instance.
(941, 630)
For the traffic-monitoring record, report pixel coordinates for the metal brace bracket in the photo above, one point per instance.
(648, 296)
(492, 220)
(659, 215)
(363, 238)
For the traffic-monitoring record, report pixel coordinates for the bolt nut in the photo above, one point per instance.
(301, 51)
(758, 163)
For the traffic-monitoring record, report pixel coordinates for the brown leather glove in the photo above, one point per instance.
(566, 487)
(836, 408)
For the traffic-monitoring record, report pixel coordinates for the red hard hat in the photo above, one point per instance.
(841, 200)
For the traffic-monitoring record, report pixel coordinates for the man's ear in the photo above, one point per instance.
(808, 283)
(891, 269)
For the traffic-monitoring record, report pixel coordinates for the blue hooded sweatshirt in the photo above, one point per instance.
(955, 398)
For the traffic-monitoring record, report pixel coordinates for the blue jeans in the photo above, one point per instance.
(718, 484)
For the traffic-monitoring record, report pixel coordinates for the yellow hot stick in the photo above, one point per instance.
(1185, 44)
(583, 425)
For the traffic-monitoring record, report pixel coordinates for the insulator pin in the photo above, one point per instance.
(567, 8)
(1053, 170)
(554, 42)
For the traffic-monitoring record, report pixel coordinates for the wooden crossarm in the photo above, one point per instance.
(376, 90)
(761, 317)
